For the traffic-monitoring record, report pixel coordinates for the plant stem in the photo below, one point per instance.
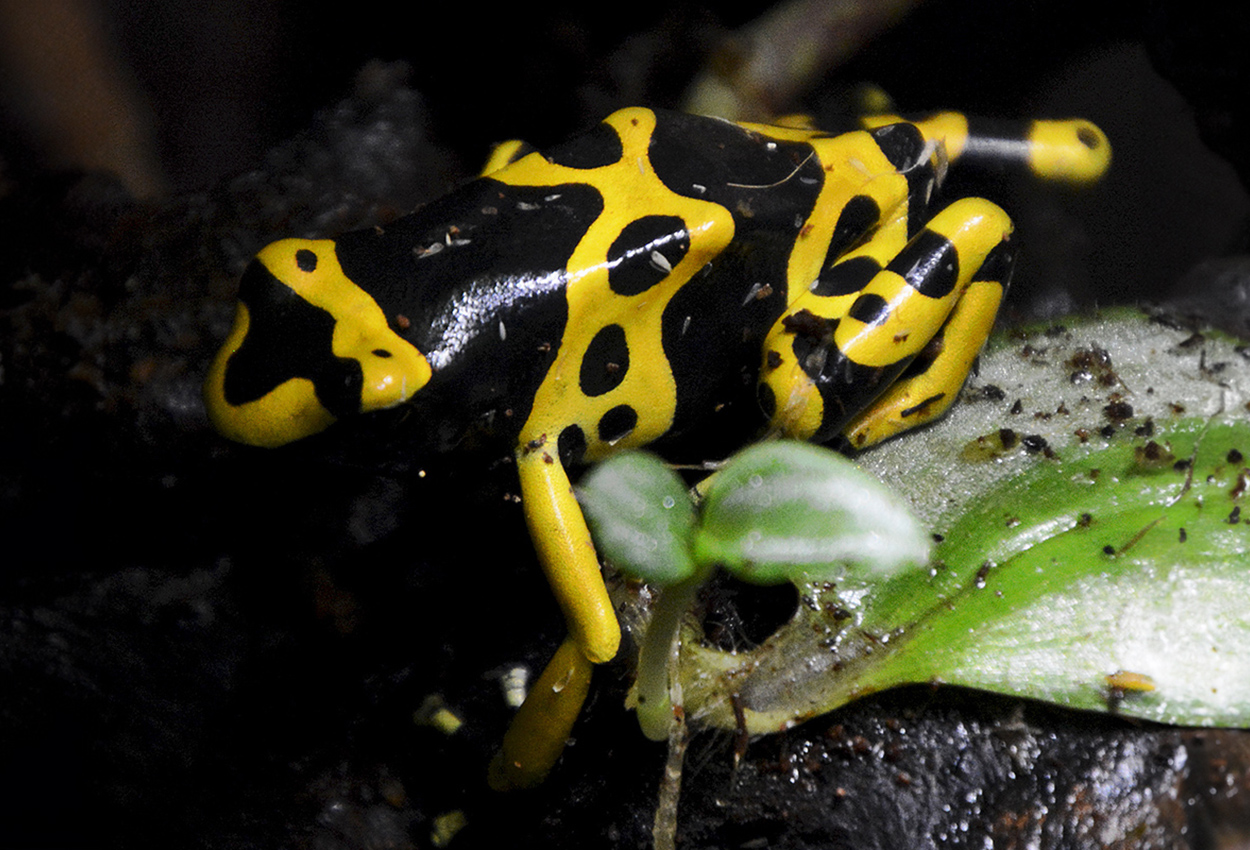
(657, 655)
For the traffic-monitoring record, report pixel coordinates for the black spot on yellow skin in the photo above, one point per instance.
(846, 277)
(929, 263)
(855, 223)
(617, 423)
(870, 309)
(606, 362)
(595, 148)
(922, 407)
(998, 265)
(306, 260)
(571, 445)
(1088, 138)
(646, 252)
(805, 323)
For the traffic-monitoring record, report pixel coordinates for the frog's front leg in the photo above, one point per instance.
(566, 552)
(825, 373)
(537, 733)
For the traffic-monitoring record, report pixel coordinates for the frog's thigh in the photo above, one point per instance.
(973, 235)
(931, 386)
(798, 349)
(567, 553)
(838, 357)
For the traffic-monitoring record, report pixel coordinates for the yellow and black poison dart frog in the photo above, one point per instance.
(630, 287)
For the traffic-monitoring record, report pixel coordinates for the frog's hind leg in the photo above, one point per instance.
(934, 301)
(1072, 150)
(929, 386)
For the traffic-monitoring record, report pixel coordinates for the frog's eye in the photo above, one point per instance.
(308, 346)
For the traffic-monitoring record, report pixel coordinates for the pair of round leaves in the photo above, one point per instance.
(779, 511)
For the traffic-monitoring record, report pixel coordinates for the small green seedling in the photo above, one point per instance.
(776, 512)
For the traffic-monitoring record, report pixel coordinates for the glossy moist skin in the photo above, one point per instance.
(652, 256)
(662, 276)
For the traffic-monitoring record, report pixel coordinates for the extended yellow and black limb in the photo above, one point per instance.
(1071, 150)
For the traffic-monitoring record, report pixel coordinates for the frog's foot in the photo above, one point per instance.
(934, 302)
(536, 736)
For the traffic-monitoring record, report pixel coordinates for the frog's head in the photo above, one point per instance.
(308, 347)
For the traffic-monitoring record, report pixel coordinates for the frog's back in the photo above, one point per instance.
(613, 289)
(673, 288)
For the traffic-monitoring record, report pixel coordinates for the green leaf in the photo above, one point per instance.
(641, 517)
(1089, 492)
(1099, 567)
(786, 511)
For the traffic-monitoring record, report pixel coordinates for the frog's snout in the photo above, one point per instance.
(307, 347)
(250, 402)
